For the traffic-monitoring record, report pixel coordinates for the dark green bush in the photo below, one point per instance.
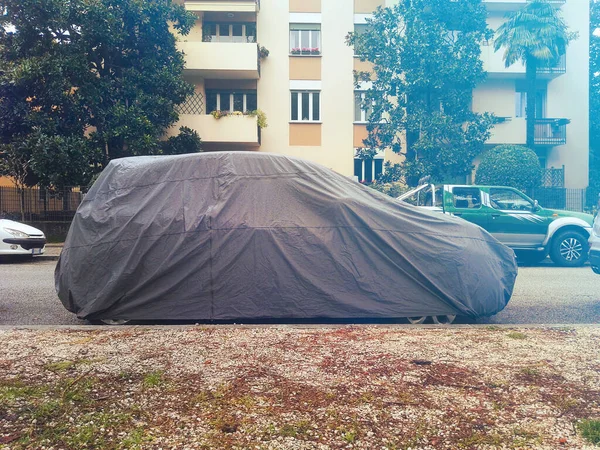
(510, 165)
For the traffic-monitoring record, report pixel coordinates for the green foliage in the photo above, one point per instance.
(538, 36)
(187, 141)
(426, 57)
(510, 165)
(590, 430)
(83, 82)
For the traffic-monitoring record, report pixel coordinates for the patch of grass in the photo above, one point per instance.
(530, 372)
(46, 410)
(350, 436)
(153, 379)
(526, 438)
(517, 335)
(295, 430)
(565, 403)
(478, 439)
(590, 430)
(78, 390)
(60, 366)
(14, 390)
(136, 439)
(493, 328)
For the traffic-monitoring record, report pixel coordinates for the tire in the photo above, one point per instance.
(569, 249)
(113, 321)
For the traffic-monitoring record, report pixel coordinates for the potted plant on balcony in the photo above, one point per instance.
(306, 51)
(315, 51)
(295, 51)
(263, 52)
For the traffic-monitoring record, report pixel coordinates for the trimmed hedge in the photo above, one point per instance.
(510, 165)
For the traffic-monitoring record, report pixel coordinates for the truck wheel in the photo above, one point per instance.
(569, 249)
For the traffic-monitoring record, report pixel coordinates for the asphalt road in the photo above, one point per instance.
(543, 295)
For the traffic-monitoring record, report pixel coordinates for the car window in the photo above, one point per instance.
(509, 200)
(467, 197)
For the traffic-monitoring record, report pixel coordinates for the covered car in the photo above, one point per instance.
(240, 235)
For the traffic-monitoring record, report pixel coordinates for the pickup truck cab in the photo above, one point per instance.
(514, 219)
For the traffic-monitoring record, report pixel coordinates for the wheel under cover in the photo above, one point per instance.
(569, 249)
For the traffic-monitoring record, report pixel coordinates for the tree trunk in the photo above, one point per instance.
(411, 155)
(530, 113)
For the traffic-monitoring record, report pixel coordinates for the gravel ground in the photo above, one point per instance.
(300, 388)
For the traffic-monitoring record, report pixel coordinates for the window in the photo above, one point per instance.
(359, 30)
(305, 39)
(521, 102)
(228, 101)
(362, 112)
(467, 197)
(229, 32)
(306, 106)
(509, 200)
(367, 170)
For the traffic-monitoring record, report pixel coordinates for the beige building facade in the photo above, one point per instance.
(305, 85)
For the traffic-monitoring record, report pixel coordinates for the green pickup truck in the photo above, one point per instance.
(514, 219)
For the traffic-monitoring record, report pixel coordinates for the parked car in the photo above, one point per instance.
(252, 236)
(20, 239)
(594, 243)
(514, 219)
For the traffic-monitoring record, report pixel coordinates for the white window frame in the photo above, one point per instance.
(244, 35)
(231, 94)
(363, 112)
(310, 42)
(311, 93)
(372, 161)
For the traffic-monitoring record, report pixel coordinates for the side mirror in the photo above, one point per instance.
(536, 206)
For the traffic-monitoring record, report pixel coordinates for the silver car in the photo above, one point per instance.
(19, 239)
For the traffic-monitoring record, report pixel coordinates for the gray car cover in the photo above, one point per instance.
(241, 235)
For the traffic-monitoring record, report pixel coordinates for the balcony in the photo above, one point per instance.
(493, 63)
(233, 6)
(221, 60)
(228, 132)
(550, 132)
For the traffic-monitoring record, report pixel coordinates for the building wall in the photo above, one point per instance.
(333, 140)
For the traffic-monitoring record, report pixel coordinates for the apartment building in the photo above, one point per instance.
(306, 88)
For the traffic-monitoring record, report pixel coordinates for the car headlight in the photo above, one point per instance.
(16, 233)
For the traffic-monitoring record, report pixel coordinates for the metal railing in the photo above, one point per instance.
(559, 67)
(553, 177)
(550, 131)
(34, 204)
(580, 200)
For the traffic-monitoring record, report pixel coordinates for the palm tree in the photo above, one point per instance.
(538, 36)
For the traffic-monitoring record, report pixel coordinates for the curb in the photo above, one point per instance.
(45, 258)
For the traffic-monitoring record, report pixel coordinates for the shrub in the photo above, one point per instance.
(510, 165)
(187, 141)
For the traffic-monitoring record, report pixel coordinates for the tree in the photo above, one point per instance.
(510, 165)
(594, 96)
(86, 81)
(538, 36)
(426, 63)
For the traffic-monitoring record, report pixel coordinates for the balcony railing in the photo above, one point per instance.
(560, 67)
(550, 131)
